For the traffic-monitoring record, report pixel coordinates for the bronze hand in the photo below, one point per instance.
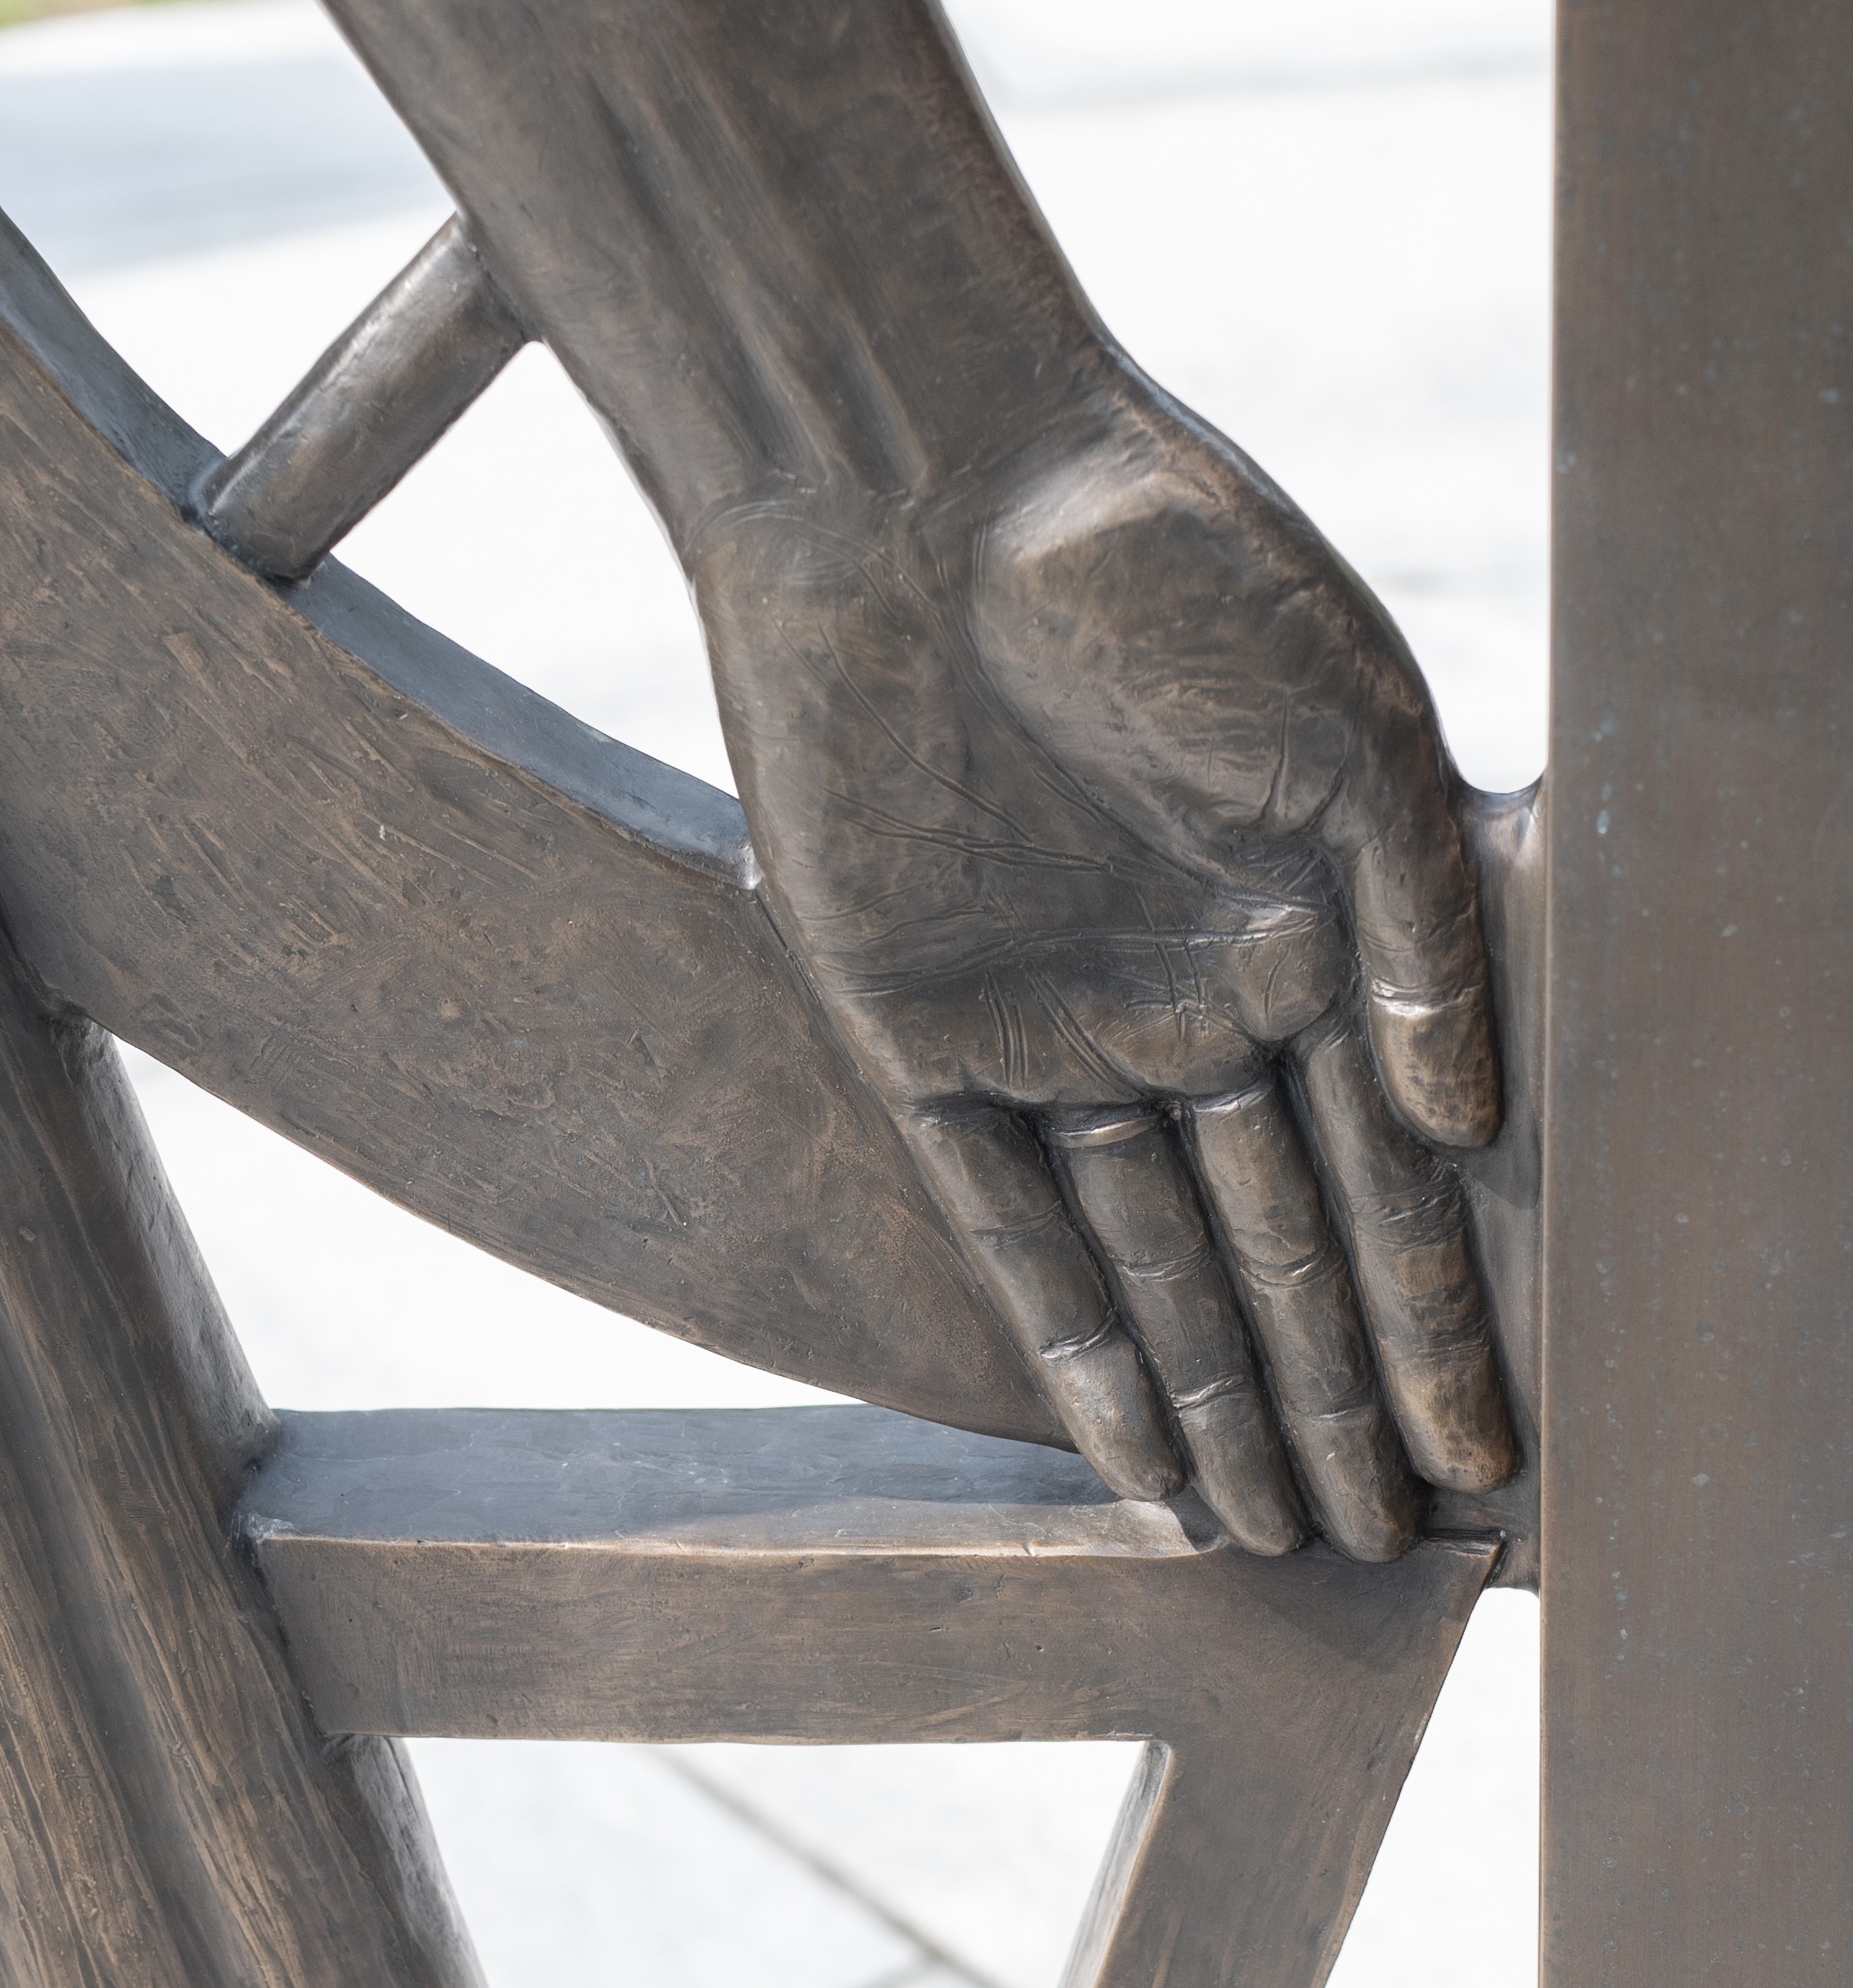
(1105, 808)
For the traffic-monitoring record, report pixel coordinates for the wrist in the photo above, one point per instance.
(775, 248)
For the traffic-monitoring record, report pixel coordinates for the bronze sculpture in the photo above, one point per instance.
(1077, 763)
(1104, 831)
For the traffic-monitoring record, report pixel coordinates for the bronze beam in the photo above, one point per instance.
(1698, 1583)
(848, 1574)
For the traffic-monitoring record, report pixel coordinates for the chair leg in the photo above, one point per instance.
(169, 1815)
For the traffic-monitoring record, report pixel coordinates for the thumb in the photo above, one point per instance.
(1428, 999)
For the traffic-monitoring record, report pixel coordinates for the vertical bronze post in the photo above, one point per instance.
(1698, 1580)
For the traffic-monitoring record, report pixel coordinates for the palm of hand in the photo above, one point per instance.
(1079, 815)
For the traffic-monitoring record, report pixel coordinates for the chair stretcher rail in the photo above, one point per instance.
(853, 1575)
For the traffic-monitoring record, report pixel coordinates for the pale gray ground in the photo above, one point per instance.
(1325, 226)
